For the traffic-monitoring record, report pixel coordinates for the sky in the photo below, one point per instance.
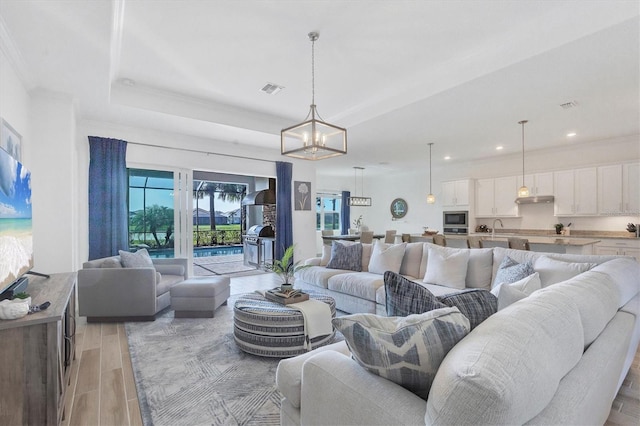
(15, 188)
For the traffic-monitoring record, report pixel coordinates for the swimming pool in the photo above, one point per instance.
(199, 251)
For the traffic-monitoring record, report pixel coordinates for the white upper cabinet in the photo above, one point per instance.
(576, 192)
(496, 197)
(631, 188)
(619, 189)
(538, 184)
(455, 193)
(610, 190)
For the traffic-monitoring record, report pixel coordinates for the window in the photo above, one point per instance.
(328, 211)
(151, 212)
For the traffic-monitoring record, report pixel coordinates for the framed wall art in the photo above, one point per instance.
(10, 140)
(302, 195)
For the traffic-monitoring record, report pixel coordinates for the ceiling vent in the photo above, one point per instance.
(271, 89)
(569, 105)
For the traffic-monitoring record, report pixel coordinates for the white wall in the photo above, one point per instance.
(157, 157)
(413, 186)
(14, 103)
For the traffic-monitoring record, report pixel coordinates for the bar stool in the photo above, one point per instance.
(439, 240)
(366, 237)
(518, 243)
(474, 242)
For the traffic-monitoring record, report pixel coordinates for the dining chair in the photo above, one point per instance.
(326, 233)
(440, 240)
(390, 236)
(518, 243)
(474, 242)
(406, 238)
(366, 237)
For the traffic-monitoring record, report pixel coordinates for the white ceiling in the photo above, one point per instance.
(397, 74)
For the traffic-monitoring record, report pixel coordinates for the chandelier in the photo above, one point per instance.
(313, 139)
(523, 191)
(358, 201)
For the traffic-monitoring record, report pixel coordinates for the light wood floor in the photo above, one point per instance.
(103, 393)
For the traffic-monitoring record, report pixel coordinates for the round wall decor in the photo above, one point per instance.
(399, 208)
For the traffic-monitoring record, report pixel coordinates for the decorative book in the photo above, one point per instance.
(286, 298)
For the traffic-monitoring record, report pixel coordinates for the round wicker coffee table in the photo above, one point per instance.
(269, 329)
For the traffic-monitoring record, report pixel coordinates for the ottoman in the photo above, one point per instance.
(270, 329)
(198, 297)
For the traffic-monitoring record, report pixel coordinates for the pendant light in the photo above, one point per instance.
(358, 201)
(430, 198)
(523, 191)
(313, 139)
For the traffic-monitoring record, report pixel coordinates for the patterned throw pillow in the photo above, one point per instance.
(511, 271)
(405, 297)
(346, 257)
(406, 350)
(475, 304)
(139, 259)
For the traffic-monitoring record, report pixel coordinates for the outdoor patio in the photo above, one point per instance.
(232, 264)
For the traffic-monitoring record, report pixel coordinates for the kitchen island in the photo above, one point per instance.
(550, 244)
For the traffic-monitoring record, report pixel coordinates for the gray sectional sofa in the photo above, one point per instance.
(558, 356)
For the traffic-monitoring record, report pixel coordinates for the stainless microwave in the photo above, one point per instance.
(455, 222)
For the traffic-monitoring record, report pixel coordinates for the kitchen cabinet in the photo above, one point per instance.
(455, 193)
(631, 188)
(618, 191)
(538, 183)
(496, 197)
(575, 192)
(630, 247)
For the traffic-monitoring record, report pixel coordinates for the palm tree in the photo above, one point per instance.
(224, 191)
(153, 218)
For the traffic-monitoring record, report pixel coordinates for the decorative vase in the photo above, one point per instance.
(286, 287)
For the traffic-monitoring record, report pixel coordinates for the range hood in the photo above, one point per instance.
(261, 197)
(538, 199)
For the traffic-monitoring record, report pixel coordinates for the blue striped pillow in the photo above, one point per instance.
(346, 257)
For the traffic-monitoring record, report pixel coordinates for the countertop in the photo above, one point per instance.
(559, 240)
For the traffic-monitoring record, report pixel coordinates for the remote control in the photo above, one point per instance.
(38, 308)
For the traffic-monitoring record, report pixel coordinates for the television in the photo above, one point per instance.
(16, 230)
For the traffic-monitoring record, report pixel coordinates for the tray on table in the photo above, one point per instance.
(278, 297)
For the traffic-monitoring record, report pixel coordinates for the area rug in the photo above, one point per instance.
(190, 372)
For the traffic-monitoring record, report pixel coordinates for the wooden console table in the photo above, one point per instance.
(36, 352)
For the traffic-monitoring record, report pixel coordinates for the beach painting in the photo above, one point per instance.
(16, 231)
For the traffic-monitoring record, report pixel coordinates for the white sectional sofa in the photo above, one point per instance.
(558, 356)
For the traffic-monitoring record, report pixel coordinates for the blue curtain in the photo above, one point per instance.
(284, 222)
(107, 197)
(345, 213)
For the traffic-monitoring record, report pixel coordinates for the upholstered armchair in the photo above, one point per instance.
(108, 291)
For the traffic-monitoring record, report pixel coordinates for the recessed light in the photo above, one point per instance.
(572, 134)
(499, 147)
(447, 157)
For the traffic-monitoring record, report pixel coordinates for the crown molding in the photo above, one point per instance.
(15, 58)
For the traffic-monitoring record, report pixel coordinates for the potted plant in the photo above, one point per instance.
(559, 227)
(285, 268)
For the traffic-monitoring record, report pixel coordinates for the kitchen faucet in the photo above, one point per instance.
(493, 227)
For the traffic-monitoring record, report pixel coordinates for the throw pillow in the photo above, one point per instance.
(475, 304)
(405, 297)
(111, 262)
(527, 285)
(509, 295)
(346, 257)
(386, 257)
(511, 271)
(447, 266)
(326, 254)
(553, 271)
(479, 268)
(139, 259)
(406, 350)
